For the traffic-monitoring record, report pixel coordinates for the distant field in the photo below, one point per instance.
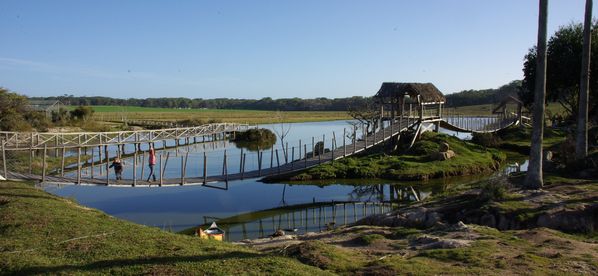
(120, 113)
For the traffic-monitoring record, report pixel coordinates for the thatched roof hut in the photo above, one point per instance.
(427, 92)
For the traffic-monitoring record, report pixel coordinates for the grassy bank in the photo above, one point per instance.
(518, 139)
(414, 164)
(118, 113)
(548, 232)
(42, 233)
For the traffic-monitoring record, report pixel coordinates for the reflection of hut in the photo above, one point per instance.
(503, 107)
(46, 106)
(425, 98)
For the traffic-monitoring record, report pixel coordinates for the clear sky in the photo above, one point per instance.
(255, 49)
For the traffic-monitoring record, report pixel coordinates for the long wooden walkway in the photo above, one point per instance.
(277, 166)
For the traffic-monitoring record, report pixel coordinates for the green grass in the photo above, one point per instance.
(470, 159)
(118, 113)
(42, 233)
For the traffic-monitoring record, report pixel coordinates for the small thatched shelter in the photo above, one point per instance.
(395, 95)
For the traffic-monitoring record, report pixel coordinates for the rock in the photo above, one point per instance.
(429, 242)
(278, 233)
(416, 216)
(441, 156)
(432, 218)
(444, 147)
(488, 220)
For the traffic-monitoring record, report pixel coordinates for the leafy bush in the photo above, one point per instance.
(494, 189)
(82, 113)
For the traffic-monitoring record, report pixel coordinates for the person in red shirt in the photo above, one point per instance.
(152, 163)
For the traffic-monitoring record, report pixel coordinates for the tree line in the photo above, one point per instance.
(286, 104)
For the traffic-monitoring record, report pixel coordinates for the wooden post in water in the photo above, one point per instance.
(241, 161)
(300, 149)
(107, 165)
(161, 172)
(277, 161)
(313, 148)
(92, 163)
(79, 165)
(243, 165)
(271, 158)
(134, 167)
(44, 164)
(354, 138)
(286, 153)
(100, 157)
(205, 168)
(292, 157)
(182, 170)
(259, 162)
(305, 153)
(142, 155)
(62, 162)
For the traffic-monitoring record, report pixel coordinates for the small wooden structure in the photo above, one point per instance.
(45, 106)
(502, 110)
(425, 98)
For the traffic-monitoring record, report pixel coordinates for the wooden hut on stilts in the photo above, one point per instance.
(415, 103)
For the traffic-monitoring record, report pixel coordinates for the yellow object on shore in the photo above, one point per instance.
(213, 232)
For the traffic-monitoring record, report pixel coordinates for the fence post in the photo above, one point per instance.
(161, 172)
(205, 168)
(134, 166)
(79, 165)
(44, 164)
(107, 165)
(277, 162)
(305, 153)
(4, 160)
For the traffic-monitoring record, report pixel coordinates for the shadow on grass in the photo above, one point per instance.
(122, 263)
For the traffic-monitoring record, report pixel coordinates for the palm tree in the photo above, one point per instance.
(581, 143)
(534, 171)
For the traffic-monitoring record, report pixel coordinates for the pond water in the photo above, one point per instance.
(182, 207)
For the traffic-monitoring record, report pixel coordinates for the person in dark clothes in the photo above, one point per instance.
(118, 168)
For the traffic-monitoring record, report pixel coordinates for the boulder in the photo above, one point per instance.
(441, 156)
(444, 147)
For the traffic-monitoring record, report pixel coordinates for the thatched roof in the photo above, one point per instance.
(428, 92)
(507, 100)
(44, 105)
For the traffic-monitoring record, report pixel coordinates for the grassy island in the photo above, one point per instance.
(413, 164)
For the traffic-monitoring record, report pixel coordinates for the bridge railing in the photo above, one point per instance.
(41, 140)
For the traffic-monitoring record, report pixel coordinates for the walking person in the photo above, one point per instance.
(152, 163)
(118, 168)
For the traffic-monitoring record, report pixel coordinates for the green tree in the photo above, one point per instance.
(13, 108)
(564, 52)
(82, 113)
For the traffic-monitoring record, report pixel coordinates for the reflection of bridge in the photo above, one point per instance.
(425, 111)
(302, 217)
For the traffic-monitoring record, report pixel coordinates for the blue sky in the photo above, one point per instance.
(255, 49)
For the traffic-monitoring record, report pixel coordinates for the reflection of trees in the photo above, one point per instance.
(361, 192)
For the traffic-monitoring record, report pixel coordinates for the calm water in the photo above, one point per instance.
(179, 208)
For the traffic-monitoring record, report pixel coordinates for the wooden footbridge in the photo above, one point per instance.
(424, 113)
